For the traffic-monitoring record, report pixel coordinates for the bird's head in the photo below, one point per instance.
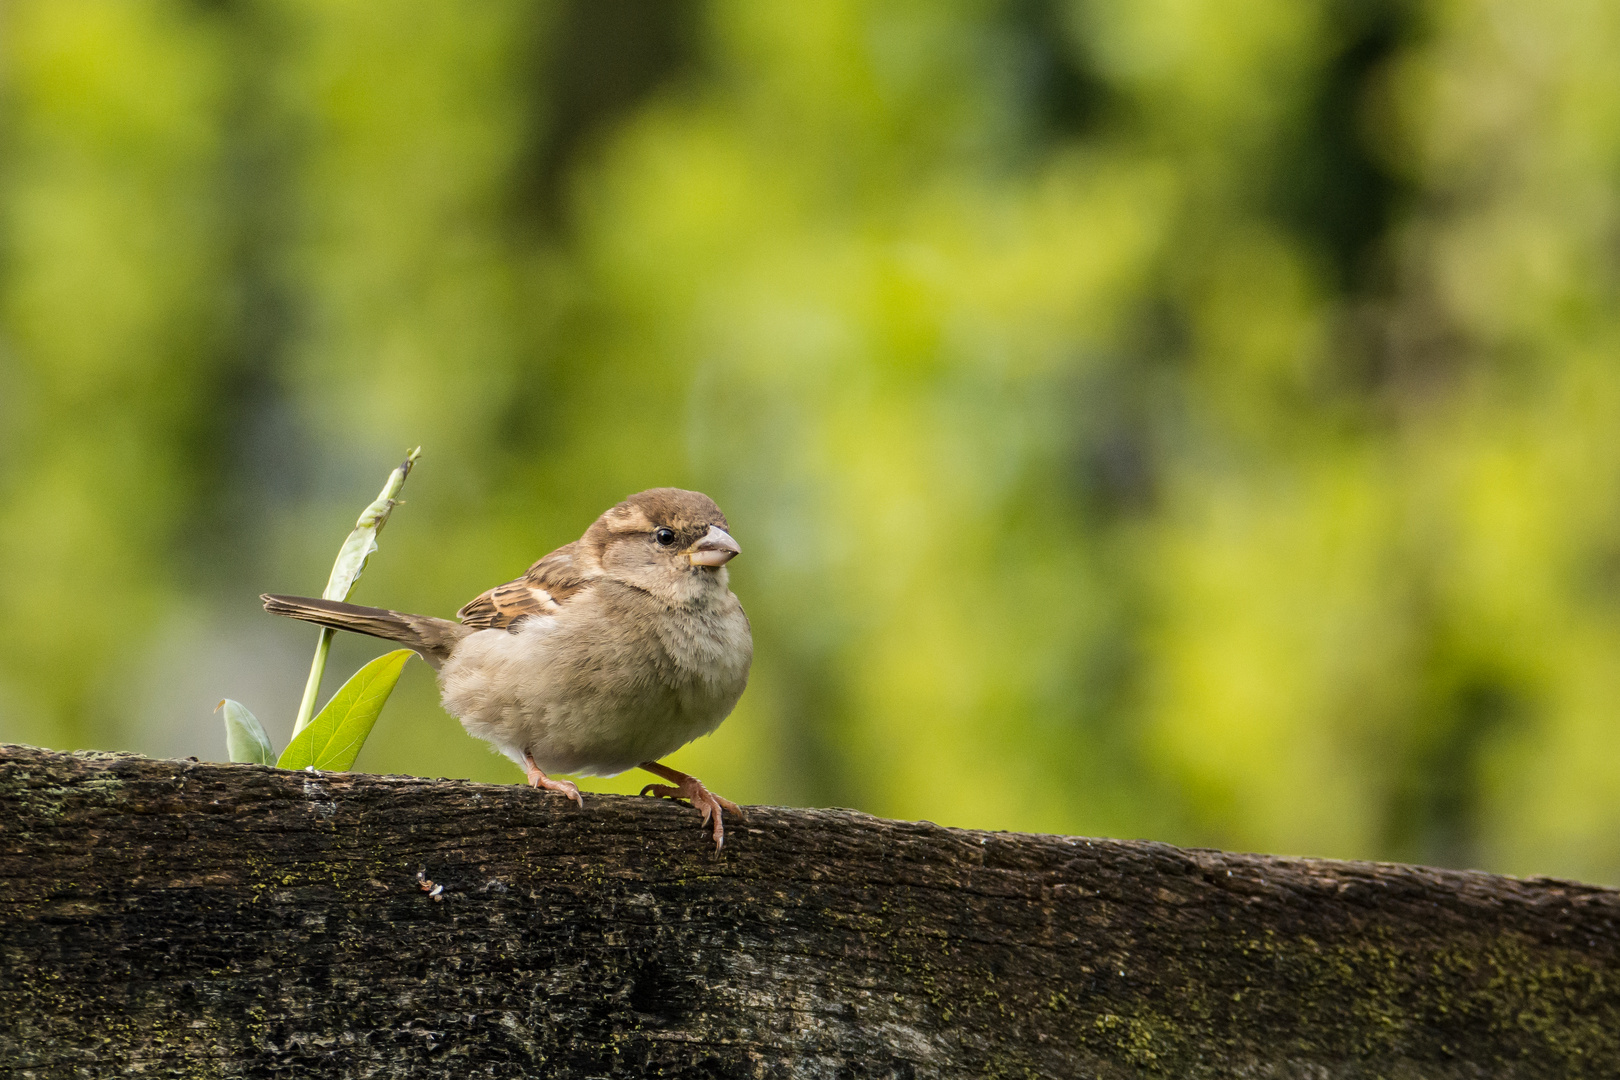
(672, 543)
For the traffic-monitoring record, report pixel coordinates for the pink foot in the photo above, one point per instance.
(538, 779)
(691, 789)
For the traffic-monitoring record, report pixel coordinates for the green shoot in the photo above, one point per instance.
(351, 561)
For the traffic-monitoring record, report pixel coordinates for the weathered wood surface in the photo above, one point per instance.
(170, 918)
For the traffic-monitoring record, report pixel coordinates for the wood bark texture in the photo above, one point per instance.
(170, 918)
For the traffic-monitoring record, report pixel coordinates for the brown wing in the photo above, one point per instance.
(542, 591)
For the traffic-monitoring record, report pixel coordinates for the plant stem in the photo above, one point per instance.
(317, 668)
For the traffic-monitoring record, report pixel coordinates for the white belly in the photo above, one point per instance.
(581, 699)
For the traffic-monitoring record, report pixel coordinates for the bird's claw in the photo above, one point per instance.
(702, 799)
(566, 788)
(539, 780)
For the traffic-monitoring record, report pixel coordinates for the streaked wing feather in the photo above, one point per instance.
(542, 591)
(562, 573)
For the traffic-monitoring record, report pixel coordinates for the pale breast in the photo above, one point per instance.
(604, 685)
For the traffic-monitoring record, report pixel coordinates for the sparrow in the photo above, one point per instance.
(608, 654)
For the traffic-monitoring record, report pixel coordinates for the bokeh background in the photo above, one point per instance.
(1195, 419)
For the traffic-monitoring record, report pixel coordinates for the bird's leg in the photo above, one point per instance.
(538, 779)
(691, 789)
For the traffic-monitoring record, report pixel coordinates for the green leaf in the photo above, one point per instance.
(333, 739)
(244, 735)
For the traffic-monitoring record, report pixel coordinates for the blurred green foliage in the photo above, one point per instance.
(1168, 418)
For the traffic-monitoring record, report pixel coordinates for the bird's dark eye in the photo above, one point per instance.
(665, 537)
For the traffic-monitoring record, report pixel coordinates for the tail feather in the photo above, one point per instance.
(432, 638)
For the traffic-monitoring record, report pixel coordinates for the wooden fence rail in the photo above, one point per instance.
(170, 918)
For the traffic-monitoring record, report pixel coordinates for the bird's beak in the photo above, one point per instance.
(715, 549)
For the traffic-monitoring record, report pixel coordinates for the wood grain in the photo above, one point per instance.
(171, 918)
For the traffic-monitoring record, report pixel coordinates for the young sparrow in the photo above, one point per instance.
(610, 653)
